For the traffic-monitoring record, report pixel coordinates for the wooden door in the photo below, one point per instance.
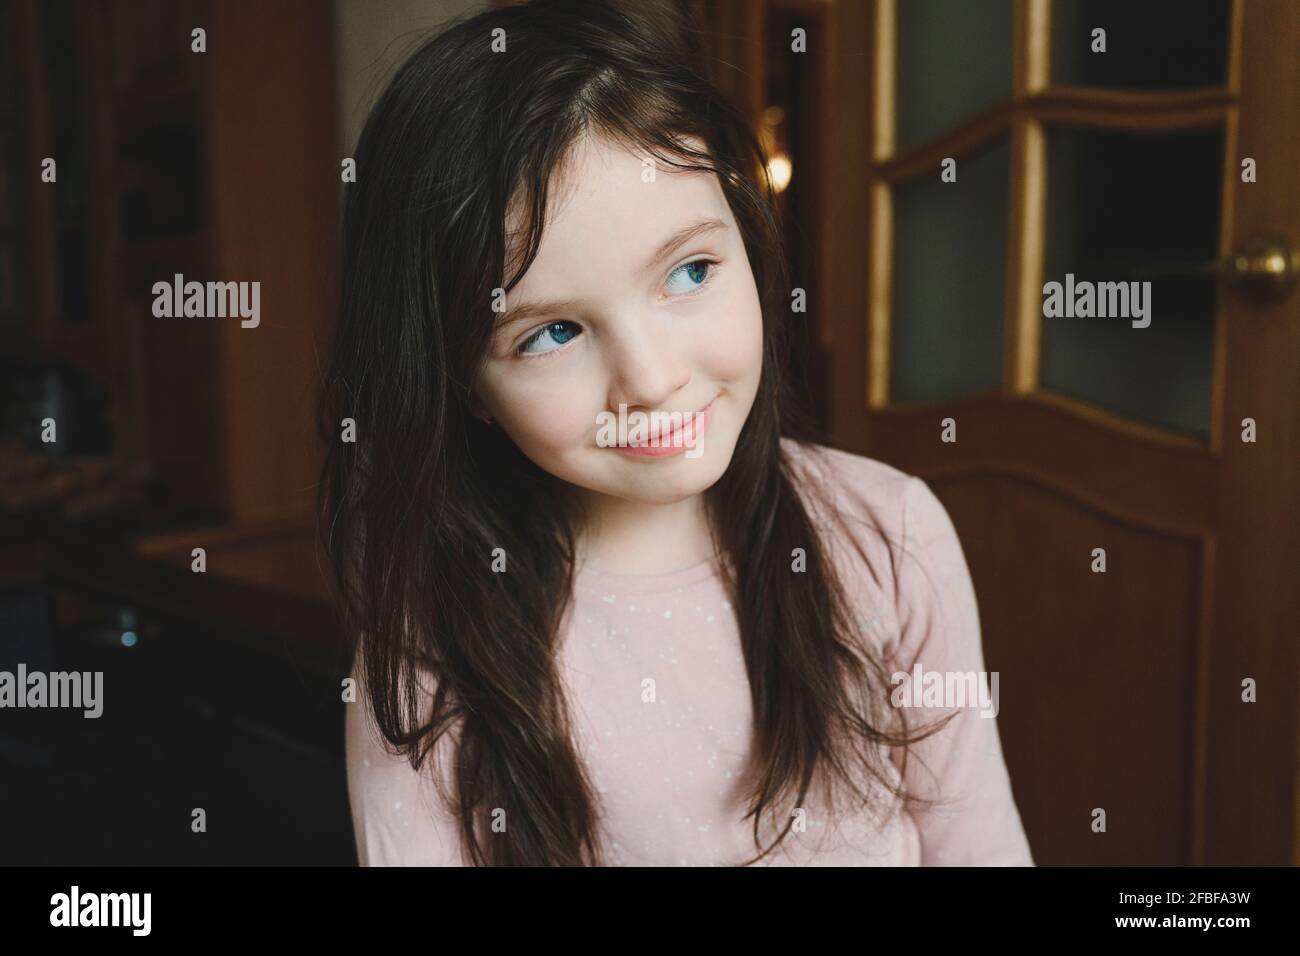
(1122, 689)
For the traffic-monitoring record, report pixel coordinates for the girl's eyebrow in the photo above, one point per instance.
(680, 238)
(670, 245)
(530, 309)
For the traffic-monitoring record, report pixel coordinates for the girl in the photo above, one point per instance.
(687, 649)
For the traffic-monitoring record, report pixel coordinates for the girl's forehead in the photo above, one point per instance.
(596, 165)
(612, 201)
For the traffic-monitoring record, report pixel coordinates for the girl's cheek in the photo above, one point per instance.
(547, 418)
(737, 345)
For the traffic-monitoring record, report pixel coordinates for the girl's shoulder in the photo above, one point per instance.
(857, 487)
(887, 532)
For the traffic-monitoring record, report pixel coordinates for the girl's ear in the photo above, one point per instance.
(476, 409)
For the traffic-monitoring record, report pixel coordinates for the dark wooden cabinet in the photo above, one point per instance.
(219, 165)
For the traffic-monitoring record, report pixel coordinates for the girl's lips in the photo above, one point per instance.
(674, 443)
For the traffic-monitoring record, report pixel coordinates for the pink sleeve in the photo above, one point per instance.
(962, 764)
(397, 816)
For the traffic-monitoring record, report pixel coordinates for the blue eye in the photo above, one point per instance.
(695, 274)
(558, 332)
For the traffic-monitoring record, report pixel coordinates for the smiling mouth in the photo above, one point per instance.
(690, 421)
(688, 436)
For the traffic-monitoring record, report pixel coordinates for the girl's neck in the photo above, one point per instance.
(632, 538)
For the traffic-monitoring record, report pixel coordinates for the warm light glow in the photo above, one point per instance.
(780, 169)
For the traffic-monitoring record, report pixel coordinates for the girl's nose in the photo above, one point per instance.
(646, 366)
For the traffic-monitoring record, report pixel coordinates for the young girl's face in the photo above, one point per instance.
(640, 295)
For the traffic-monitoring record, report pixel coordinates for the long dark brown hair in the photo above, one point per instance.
(412, 510)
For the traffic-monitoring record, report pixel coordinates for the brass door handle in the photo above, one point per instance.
(1262, 269)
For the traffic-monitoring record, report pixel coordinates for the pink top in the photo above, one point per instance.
(664, 771)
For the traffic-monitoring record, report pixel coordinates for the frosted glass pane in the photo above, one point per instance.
(1152, 44)
(1117, 202)
(950, 260)
(954, 59)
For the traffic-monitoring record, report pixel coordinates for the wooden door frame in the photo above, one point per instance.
(1232, 509)
(1252, 749)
